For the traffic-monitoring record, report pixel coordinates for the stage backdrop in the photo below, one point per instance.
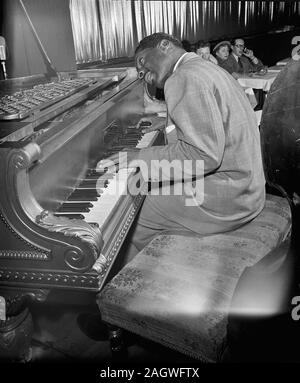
(52, 23)
(106, 29)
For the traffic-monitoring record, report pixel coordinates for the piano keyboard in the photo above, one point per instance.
(95, 199)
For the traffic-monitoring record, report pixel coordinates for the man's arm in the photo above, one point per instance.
(254, 62)
(257, 64)
(196, 115)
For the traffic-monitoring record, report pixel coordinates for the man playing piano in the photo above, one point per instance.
(215, 124)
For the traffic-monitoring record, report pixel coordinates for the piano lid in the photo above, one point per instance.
(27, 103)
(39, 37)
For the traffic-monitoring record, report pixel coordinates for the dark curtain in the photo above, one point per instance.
(105, 29)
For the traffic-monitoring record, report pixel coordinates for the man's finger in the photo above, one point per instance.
(144, 123)
(108, 162)
(152, 128)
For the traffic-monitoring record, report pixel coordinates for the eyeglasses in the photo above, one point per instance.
(240, 45)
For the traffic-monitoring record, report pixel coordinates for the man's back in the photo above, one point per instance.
(213, 115)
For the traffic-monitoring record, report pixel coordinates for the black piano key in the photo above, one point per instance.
(131, 133)
(99, 173)
(95, 178)
(99, 184)
(86, 187)
(91, 181)
(89, 190)
(91, 177)
(69, 215)
(87, 193)
(79, 203)
(74, 209)
(73, 198)
(92, 184)
(94, 171)
(83, 197)
(128, 142)
(118, 148)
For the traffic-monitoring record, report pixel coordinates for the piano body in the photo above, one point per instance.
(61, 223)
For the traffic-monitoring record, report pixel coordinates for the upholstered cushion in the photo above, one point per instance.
(178, 289)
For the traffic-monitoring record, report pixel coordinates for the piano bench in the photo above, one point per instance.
(178, 289)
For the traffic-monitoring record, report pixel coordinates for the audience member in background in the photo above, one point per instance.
(222, 50)
(241, 60)
(186, 45)
(203, 50)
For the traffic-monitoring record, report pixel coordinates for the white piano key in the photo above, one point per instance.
(146, 140)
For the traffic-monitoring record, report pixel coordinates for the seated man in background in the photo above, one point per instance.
(222, 52)
(203, 50)
(241, 60)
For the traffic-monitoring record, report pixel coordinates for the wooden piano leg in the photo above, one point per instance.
(117, 344)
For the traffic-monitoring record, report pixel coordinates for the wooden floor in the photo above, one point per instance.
(61, 352)
(58, 338)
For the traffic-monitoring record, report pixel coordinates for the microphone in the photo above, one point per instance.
(3, 55)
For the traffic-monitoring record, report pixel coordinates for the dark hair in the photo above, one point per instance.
(233, 41)
(186, 45)
(153, 40)
(202, 44)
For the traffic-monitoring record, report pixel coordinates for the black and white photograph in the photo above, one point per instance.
(149, 187)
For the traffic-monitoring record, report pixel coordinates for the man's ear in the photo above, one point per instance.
(164, 45)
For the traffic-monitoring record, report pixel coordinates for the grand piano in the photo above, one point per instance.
(62, 220)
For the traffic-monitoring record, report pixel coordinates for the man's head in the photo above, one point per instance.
(155, 57)
(222, 49)
(238, 46)
(203, 50)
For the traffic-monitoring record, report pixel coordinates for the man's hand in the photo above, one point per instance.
(121, 160)
(249, 53)
(145, 124)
